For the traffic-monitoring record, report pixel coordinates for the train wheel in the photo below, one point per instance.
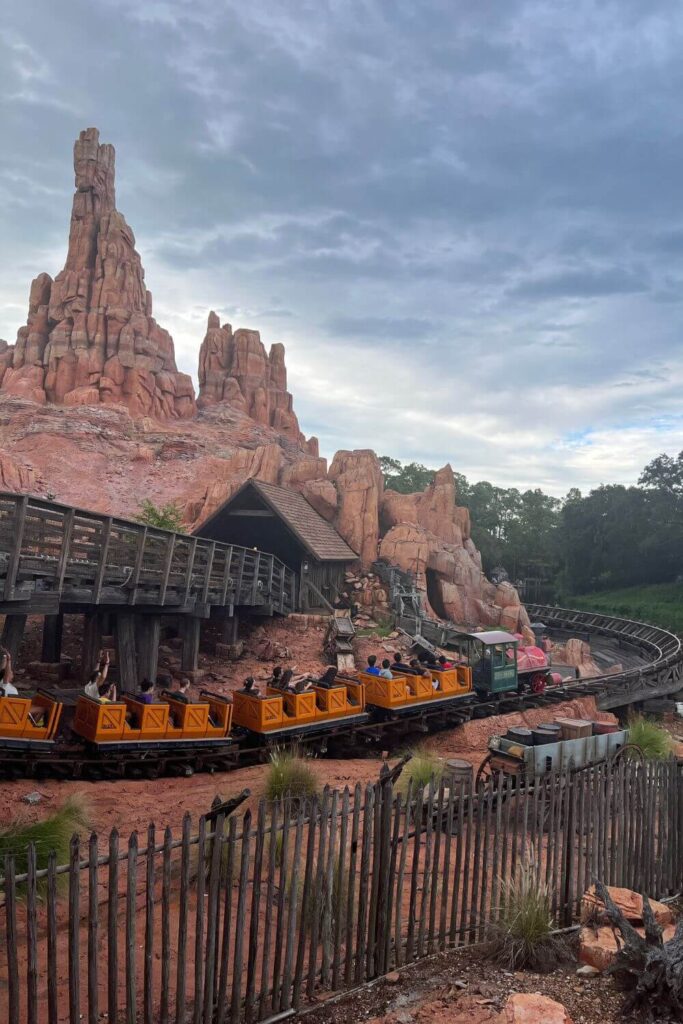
(538, 682)
(630, 752)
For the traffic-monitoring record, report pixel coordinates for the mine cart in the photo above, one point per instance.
(545, 753)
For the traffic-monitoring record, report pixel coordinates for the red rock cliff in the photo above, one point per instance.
(90, 335)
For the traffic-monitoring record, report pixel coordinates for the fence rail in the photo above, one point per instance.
(251, 917)
(53, 554)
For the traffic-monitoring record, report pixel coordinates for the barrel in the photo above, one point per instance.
(552, 727)
(604, 728)
(542, 736)
(457, 771)
(519, 734)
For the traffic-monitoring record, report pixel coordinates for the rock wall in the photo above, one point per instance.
(90, 335)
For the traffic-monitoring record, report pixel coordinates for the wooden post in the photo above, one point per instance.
(148, 631)
(15, 553)
(74, 920)
(131, 948)
(52, 1003)
(112, 928)
(11, 936)
(230, 628)
(190, 626)
(12, 634)
(52, 638)
(31, 938)
(94, 952)
(125, 651)
(92, 643)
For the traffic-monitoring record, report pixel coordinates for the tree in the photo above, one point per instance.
(405, 479)
(164, 517)
(664, 473)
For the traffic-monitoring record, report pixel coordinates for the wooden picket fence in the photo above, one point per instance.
(250, 918)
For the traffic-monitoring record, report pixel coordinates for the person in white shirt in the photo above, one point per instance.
(7, 687)
(98, 677)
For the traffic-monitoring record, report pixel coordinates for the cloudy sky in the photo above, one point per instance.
(464, 220)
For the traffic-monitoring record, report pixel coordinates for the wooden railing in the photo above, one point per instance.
(53, 554)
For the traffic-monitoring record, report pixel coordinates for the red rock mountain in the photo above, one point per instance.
(94, 411)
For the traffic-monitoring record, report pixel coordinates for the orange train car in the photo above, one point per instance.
(165, 723)
(403, 693)
(311, 711)
(29, 722)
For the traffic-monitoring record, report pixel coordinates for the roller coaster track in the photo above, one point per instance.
(54, 557)
(661, 675)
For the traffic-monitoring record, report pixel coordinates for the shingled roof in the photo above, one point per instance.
(315, 533)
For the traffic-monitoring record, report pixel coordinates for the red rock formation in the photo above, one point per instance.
(236, 369)
(90, 335)
(359, 483)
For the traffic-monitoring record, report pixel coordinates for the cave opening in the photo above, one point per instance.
(434, 593)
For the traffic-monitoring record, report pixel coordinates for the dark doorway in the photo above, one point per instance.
(434, 593)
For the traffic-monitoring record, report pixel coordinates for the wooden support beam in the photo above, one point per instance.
(139, 556)
(190, 628)
(190, 567)
(52, 638)
(67, 534)
(92, 643)
(231, 625)
(148, 630)
(102, 564)
(12, 634)
(125, 651)
(166, 572)
(15, 553)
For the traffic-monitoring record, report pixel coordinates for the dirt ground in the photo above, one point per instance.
(463, 987)
(130, 805)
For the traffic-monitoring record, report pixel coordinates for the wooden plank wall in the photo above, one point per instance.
(250, 917)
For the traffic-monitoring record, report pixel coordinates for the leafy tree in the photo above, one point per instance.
(164, 517)
(405, 479)
(665, 473)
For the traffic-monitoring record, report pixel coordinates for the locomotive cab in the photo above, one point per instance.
(492, 656)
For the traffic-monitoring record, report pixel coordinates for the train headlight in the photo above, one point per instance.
(494, 743)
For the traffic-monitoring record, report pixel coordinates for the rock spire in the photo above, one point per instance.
(235, 368)
(90, 335)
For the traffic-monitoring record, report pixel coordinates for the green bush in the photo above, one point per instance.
(654, 741)
(53, 833)
(522, 937)
(422, 767)
(289, 776)
(164, 517)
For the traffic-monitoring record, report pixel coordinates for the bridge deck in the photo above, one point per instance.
(53, 557)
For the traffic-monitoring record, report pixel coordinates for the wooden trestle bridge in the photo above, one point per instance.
(127, 577)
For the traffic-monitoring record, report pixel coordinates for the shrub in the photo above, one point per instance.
(654, 741)
(289, 776)
(422, 767)
(53, 833)
(164, 517)
(522, 937)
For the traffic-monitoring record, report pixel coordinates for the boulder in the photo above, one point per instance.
(598, 946)
(534, 1008)
(630, 904)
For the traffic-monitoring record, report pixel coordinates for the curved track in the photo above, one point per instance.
(658, 668)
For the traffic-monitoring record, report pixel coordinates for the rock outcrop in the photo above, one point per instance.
(114, 408)
(235, 368)
(90, 335)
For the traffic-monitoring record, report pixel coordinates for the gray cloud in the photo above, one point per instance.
(485, 201)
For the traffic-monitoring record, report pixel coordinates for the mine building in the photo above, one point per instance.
(283, 523)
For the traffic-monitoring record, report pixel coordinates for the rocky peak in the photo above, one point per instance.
(90, 336)
(235, 368)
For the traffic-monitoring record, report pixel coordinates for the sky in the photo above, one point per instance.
(463, 220)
